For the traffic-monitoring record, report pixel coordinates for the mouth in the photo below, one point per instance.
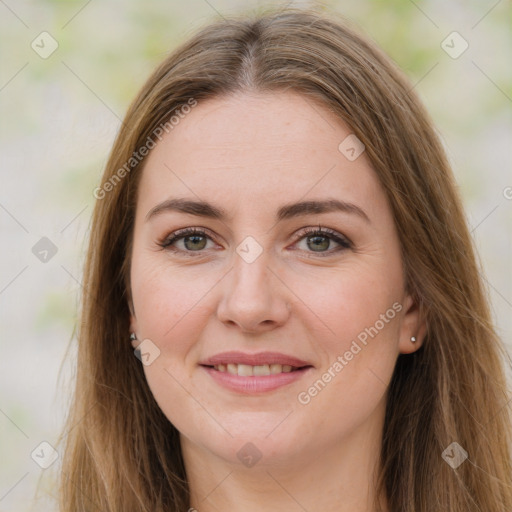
(254, 374)
(261, 370)
(255, 380)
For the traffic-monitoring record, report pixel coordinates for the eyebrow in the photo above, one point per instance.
(288, 211)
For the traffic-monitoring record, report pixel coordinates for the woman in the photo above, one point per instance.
(279, 235)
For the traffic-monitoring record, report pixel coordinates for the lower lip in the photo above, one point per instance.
(255, 384)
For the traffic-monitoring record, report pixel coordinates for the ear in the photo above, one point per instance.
(133, 321)
(413, 324)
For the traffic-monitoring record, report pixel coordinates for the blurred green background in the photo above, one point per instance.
(59, 114)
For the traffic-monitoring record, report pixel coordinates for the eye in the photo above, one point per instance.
(194, 241)
(319, 238)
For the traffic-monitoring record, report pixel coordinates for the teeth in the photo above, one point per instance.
(276, 368)
(246, 370)
(261, 370)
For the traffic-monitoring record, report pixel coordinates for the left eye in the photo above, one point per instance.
(318, 240)
(321, 238)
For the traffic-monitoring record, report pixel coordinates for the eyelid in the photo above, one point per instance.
(343, 242)
(179, 234)
(335, 235)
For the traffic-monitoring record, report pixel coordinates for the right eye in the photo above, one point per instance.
(194, 241)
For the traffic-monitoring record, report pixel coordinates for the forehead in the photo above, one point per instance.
(252, 150)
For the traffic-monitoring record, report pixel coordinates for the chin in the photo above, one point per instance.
(249, 446)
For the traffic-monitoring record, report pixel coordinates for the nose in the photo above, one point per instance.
(254, 296)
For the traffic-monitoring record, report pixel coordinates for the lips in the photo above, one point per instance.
(246, 370)
(258, 373)
(254, 360)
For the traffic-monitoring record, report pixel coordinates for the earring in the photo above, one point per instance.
(133, 337)
(413, 339)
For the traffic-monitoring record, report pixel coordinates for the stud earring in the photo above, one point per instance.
(413, 339)
(133, 337)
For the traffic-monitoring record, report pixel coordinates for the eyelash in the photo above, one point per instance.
(303, 233)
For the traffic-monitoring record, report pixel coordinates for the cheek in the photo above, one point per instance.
(359, 314)
(348, 302)
(170, 311)
(167, 300)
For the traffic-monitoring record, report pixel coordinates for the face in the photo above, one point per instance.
(264, 286)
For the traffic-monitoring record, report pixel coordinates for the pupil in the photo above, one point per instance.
(194, 239)
(317, 238)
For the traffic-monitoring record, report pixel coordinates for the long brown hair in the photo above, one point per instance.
(122, 453)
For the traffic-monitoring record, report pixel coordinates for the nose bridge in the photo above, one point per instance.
(251, 260)
(250, 272)
(252, 296)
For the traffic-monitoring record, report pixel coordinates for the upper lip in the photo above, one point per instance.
(256, 359)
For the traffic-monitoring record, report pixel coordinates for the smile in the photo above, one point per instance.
(254, 380)
(246, 370)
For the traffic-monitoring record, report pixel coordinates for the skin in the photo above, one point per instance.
(250, 154)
